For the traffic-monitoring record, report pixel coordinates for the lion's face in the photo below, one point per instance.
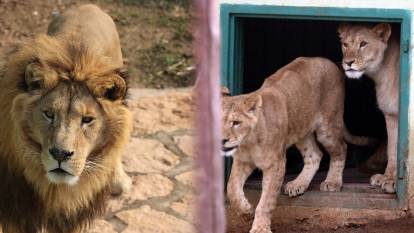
(68, 118)
(239, 118)
(363, 47)
(67, 123)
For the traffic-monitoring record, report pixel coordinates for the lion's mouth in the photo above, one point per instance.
(60, 171)
(352, 73)
(228, 151)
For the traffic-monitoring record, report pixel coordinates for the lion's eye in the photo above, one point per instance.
(49, 115)
(87, 120)
(345, 45)
(236, 124)
(363, 44)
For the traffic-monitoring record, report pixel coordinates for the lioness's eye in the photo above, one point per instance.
(363, 44)
(236, 123)
(49, 115)
(87, 120)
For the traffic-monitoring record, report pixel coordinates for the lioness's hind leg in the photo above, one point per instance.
(121, 183)
(311, 158)
(332, 139)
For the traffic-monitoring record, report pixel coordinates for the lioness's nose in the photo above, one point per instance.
(350, 62)
(60, 155)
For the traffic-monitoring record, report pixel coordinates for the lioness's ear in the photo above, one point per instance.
(224, 91)
(342, 29)
(383, 31)
(33, 75)
(253, 103)
(112, 87)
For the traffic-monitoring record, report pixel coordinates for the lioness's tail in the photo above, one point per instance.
(358, 140)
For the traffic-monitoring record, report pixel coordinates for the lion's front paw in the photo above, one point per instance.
(245, 214)
(294, 188)
(386, 183)
(121, 184)
(331, 186)
(260, 229)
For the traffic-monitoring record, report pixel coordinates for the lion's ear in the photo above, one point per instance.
(342, 29)
(253, 103)
(33, 75)
(383, 31)
(117, 89)
(112, 87)
(224, 91)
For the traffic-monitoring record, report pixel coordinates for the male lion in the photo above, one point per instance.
(302, 100)
(63, 125)
(372, 51)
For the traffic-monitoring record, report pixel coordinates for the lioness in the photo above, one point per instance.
(64, 125)
(373, 52)
(302, 100)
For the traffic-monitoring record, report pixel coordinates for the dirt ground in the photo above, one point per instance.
(155, 35)
(393, 226)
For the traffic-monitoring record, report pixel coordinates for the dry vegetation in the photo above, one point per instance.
(155, 35)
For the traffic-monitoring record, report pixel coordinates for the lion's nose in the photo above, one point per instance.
(349, 63)
(60, 155)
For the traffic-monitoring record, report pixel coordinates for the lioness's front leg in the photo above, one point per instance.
(311, 157)
(240, 171)
(388, 180)
(271, 185)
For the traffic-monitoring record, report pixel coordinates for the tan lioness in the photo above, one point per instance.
(302, 100)
(373, 52)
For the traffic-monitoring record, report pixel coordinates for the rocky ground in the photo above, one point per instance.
(159, 161)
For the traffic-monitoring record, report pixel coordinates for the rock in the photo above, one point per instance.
(101, 226)
(184, 206)
(148, 156)
(150, 185)
(147, 220)
(186, 178)
(186, 144)
(165, 110)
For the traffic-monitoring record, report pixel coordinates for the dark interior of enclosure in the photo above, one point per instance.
(269, 44)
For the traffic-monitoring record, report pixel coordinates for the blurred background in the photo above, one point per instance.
(156, 35)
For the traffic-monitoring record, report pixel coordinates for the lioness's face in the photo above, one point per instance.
(67, 122)
(363, 47)
(239, 117)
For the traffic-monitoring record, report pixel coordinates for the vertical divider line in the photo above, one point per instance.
(209, 201)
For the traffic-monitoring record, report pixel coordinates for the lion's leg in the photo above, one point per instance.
(388, 180)
(121, 183)
(240, 171)
(332, 139)
(271, 185)
(311, 158)
(377, 161)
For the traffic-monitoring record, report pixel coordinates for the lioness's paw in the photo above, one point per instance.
(294, 189)
(260, 229)
(386, 183)
(330, 186)
(245, 214)
(121, 185)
